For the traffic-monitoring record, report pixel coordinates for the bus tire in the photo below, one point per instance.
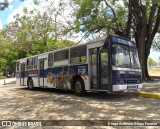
(79, 87)
(30, 84)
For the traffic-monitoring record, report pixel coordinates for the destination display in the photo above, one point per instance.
(123, 41)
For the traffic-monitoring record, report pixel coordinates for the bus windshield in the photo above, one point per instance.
(124, 56)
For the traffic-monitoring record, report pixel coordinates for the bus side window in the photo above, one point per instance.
(50, 59)
(18, 66)
(78, 55)
(35, 62)
(29, 63)
(61, 57)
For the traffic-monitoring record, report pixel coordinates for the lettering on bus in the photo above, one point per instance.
(33, 73)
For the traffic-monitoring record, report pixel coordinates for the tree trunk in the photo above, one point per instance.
(142, 59)
(140, 34)
(146, 69)
(147, 49)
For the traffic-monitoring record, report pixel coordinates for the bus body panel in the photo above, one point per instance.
(60, 77)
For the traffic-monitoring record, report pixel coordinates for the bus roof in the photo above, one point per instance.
(86, 43)
(89, 42)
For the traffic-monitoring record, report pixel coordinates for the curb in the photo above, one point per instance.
(149, 95)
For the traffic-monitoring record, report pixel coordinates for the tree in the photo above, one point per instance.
(147, 23)
(5, 4)
(136, 18)
(8, 55)
(32, 33)
(156, 43)
(151, 62)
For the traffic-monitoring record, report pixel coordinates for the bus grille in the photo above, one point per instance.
(129, 76)
(131, 81)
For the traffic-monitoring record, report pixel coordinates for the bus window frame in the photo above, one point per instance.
(29, 66)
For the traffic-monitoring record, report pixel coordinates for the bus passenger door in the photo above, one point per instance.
(41, 72)
(103, 69)
(93, 68)
(22, 75)
(99, 68)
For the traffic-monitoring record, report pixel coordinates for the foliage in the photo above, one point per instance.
(134, 18)
(32, 33)
(156, 43)
(5, 3)
(151, 62)
(101, 16)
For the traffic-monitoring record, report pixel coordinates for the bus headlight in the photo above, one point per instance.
(138, 81)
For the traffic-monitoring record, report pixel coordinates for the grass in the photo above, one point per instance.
(3, 77)
(154, 71)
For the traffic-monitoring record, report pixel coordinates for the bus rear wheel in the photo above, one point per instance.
(30, 84)
(79, 87)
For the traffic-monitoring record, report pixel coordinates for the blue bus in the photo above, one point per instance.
(108, 64)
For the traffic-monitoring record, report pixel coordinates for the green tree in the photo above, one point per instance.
(35, 32)
(151, 62)
(156, 43)
(136, 18)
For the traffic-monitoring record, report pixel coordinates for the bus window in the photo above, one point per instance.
(50, 59)
(35, 62)
(104, 66)
(120, 56)
(61, 55)
(78, 55)
(93, 61)
(18, 66)
(61, 58)
(30, 63)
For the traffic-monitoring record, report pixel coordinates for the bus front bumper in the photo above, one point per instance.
(127, 87)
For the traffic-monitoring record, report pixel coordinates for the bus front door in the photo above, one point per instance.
(99, 68)
(22, 75)
(41, 72)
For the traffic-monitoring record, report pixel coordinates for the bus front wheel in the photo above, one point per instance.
(30, 84)
(79, 87)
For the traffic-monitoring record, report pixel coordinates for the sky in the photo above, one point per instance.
(6, 16)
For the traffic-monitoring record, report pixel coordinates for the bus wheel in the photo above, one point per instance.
(79, 87)
(30, 84)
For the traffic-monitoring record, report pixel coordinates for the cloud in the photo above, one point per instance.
(42, 7)
(29, 4)
(1, 25)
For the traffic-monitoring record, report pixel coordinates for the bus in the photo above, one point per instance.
(108, 64)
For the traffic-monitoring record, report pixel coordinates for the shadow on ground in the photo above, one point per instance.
(51, 104)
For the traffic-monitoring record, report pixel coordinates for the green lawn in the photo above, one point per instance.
(3, 77)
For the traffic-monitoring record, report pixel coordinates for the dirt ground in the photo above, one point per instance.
(154, 71)
(19, 103)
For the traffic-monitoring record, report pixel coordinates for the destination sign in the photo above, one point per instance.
(123, 41)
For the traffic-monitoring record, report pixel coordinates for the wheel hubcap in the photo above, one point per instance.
(78, 86)
(30, 84)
